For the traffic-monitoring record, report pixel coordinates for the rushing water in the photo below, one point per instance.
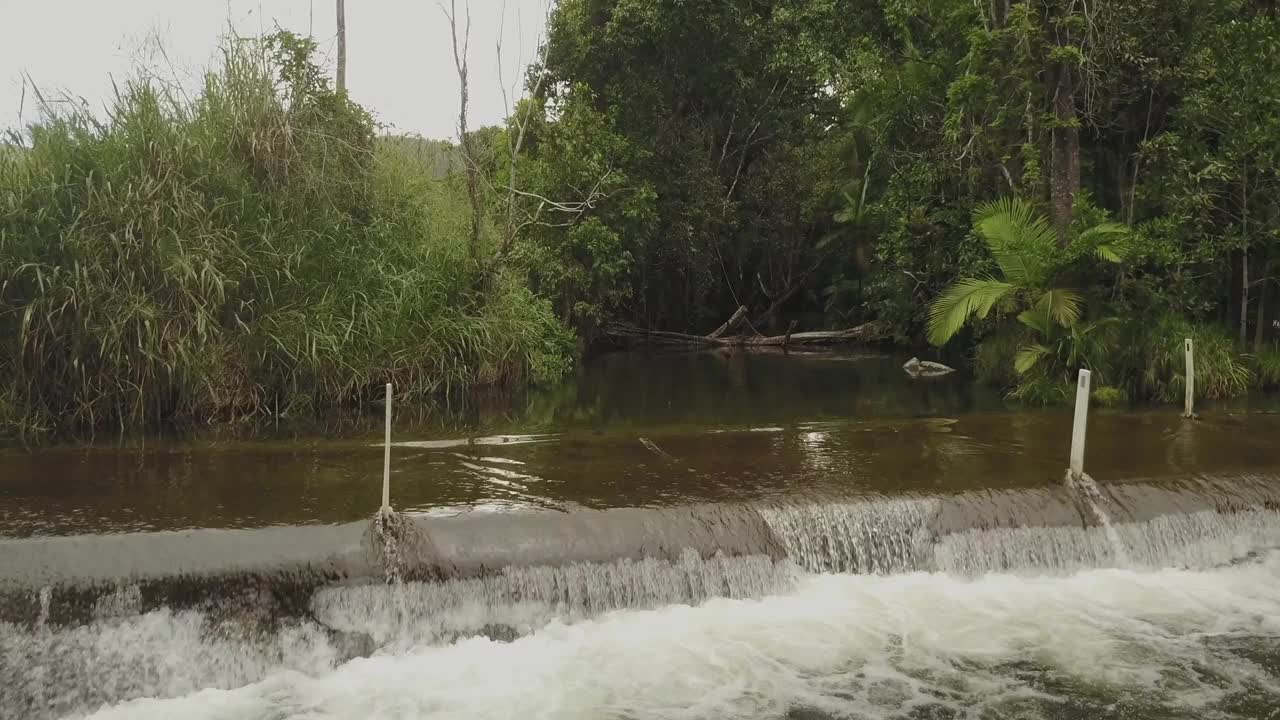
(692, 536)
(1099, 643)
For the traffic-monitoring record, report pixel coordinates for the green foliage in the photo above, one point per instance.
(1109, 396)
(259, 247)
(250, 250)
(581, 219)
(1266, 364)
(1024, 246)
(994, 356)
(712, 120)
(1221, 371)
(967, 298)
(1020, 239)
(1043, 390)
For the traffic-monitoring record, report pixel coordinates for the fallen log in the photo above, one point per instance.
(866, 331)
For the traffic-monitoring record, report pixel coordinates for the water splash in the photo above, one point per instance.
(1166, 644)
(880, 536)
(45, 596)
(518, 600)
(389, 528)
(896, 536)
(1086, 488)
(60, 672)
(1201, 540)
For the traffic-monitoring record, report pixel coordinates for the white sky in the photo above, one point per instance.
(399, 56)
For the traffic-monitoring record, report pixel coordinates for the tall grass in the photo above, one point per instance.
(1221, 371)
(1266, 362)
(249, 250)
(1133, 361)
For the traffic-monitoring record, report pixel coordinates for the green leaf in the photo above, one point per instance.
(1036, 320)
(1062, 306)
(953, 308)
(1020, 239)
(1110, 241)
(1027, 356)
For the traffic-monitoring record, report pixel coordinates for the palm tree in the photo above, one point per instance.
(1024, 246)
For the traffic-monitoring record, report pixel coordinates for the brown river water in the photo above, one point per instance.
(691, 535)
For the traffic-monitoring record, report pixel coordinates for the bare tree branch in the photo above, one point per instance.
(464, 139)
(342, 47)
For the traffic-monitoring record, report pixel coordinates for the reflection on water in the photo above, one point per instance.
(629, 430)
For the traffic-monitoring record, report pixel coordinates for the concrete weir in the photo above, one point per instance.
(692, 552)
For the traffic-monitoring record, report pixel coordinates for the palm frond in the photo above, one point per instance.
(1027, 357)
(1019, 238)
(1110, 241)
(966, 298)
(1062, 306)
(1111, 253)
(1036, 320)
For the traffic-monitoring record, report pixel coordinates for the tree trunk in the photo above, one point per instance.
(1065, 177)
(342, 47)
(1259, 318)
(1244, 259)
(1244, 298)
(787, 338)
(465, 143)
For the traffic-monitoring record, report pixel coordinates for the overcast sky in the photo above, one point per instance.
(399, 57)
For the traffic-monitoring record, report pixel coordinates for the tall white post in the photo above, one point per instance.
(1079, 426)
(1190, 406)
(386, 459)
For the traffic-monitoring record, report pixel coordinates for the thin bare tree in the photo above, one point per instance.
(536, 210)
(519, 121)
(342, 47)
(465, 142)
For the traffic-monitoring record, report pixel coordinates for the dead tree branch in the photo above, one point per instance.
(469, 160)
(719, 337)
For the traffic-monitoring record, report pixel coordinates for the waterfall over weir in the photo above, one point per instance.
(98, 616)
(599, 560)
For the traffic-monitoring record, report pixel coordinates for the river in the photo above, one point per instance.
(694, 535)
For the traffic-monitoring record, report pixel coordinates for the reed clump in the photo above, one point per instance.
(253, 248)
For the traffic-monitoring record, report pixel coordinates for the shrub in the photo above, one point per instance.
(1042, 390)
(1221, 371)
(1266, 363)
(248, 250)
(993, 356)
(1110, 396)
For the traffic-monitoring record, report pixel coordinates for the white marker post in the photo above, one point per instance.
(1079, 426)
(386, 460)
(1189, 411)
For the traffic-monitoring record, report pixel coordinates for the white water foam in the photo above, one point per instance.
(1101, 643)
(1198, 540)
(1088, 488)
(880, 536)
(894, 536)
(50, 673)
(519, 600)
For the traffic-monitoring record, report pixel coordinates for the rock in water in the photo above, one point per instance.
(917, 368)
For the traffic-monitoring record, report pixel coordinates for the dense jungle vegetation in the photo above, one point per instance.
(1031, 186)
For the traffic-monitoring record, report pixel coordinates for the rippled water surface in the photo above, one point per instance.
(818, 537)
(631, 430)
